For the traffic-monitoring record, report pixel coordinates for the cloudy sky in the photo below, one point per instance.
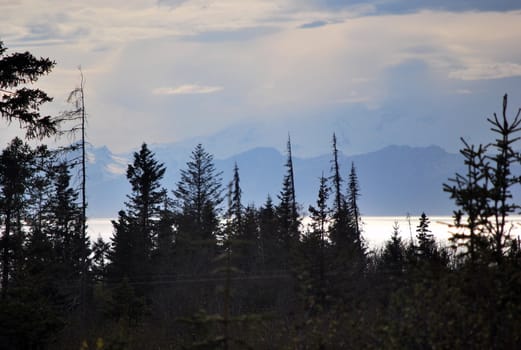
(244, 73)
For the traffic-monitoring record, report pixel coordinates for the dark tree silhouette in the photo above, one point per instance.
(314, 248)
(287, 213)
(425, 238)
(502, 179)
(100, 252)
(484, 194)
(15, 171)
(19, 102)
(135, 235)
(469, 193)
(235, 207)
(197, 197)
(270, 249)
(339, 229)
(393, 254)
(353, 193)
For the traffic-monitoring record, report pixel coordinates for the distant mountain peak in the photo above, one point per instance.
(393, 180)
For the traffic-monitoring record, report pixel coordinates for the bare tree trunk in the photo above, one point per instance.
(5, 255)
(83, 296)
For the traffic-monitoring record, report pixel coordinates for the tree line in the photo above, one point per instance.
(195, 267)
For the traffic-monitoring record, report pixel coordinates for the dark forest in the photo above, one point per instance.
(193, 267)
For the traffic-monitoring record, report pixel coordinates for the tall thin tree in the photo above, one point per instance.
(287, 214)
(353, 194)
(77, 116)
(502, 178)
(339, 228)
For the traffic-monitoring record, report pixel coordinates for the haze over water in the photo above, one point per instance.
(376, 229)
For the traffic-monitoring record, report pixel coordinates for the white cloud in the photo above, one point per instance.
(115, 169)
(114, 22)
(131, 51)
(187, 90)
(483, 71)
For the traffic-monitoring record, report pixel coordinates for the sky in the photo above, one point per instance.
(239, 74)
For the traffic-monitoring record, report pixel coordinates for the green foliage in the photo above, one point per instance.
(28, 317)
(484, 194)
(393, 257)
(288, 221)
(426, 244)
(314, 251)
(124, 306)
(270, 247)
(15, 171)
(100, 251)
(21, 103)
(136, 230)
(42, 244)
(353, 193)
(198, 196)
(287, 195)
(181, 273)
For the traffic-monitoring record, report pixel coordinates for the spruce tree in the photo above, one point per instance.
(502, 179)
(218, 331)
(242, 227)
(353, 193)
(393, 254)
(235, 207)
(314, 248)
(269, 250)
(144, 203)
(38, 216)
(39, 193)
(15, 172)
(287, 214)
(20, 103)
(32, 305)
(344, 230)
(164, 257)
(60, 224)
(469, 193)
(123, 245)
(55, 245)
(426, 245)
(357, 248)
(135, 236)
(197, 197)
(66, 222)
(250, 235)
(484, 194)
(339, 229)
(100, 254)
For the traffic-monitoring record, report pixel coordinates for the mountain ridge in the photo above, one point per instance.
(395, 180)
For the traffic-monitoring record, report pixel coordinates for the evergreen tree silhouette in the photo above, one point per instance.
(20, 103)
(197, 197)
(15, 172)
(136, 229)
(287, 214)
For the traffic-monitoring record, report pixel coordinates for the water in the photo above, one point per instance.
(100, 227)
(376, 229)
